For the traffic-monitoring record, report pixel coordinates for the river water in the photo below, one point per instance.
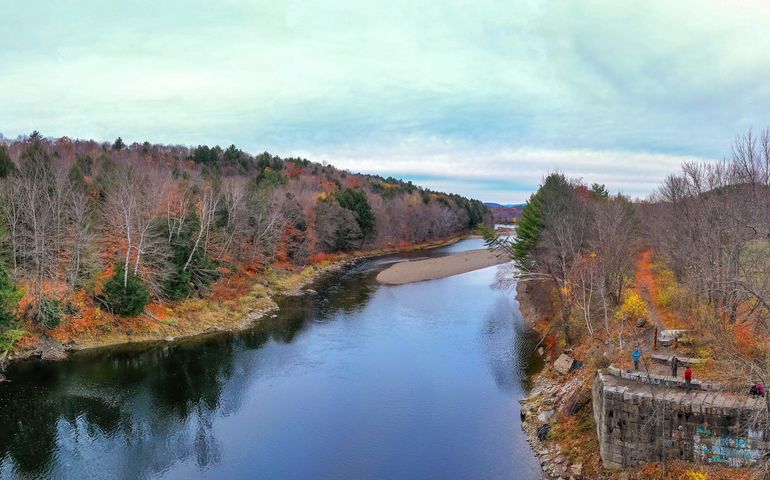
(359, 381)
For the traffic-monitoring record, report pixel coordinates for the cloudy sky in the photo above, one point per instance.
(476, 97)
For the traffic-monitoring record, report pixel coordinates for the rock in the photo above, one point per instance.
(564, 364)
(543, 417)
(310, 291)
(560, 459)
(2, 378)
(169, 339)
(543, 431)
(577, 469)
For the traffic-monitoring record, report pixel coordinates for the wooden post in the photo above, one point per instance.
(655, 340)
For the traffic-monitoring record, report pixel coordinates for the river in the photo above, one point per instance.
(359, 381)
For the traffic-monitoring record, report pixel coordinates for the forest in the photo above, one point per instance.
(90, 226)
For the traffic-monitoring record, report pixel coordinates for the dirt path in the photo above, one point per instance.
(645, 282)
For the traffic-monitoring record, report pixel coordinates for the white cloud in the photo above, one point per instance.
(502, 173)
(498, 88)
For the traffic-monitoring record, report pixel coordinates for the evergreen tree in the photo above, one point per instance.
(548, 202)
(7, 167)
(118, 145)
(357, 202)
(200, 272)
(599, 191)
(128, 300)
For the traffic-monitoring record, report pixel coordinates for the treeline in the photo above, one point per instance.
(131, 223)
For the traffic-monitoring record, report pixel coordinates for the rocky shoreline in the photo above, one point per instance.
(538, 410)
(540, 407)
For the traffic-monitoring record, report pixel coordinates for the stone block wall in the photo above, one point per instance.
(638, 422)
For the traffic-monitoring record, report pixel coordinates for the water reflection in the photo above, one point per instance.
(222, 406)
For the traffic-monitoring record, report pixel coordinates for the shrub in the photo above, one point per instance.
(127, 298)
(9, 337)
(50, 312)
(633, 308)
(9, 298)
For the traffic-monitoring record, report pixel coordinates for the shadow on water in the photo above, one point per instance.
(139, 411)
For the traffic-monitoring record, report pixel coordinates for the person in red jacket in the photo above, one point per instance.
(688, 378)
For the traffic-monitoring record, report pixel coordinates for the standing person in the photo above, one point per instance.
(636, 355)
(688, 378)
(674, 365)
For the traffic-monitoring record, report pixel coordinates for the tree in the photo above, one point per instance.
(357, 202)
(125, 293)
(118, 145)
(7, 167)
(633, 309)
(336, 227)
(39, 236)
(599, 191)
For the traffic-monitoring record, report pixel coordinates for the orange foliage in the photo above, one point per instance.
(353, 181)
(231, 287)
(328, 186)
(647, 282)
(322, 257)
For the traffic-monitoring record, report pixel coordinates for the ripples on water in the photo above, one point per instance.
(359, 381)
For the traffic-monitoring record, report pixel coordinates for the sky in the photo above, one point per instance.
(481, 98)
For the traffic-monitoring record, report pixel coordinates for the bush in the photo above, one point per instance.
(50, 312)
(9, 298)
(127, 299)
(8, 338)
(633, 308)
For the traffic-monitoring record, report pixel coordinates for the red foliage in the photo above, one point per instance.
(353, 181)
(583, 192)
(293, 170)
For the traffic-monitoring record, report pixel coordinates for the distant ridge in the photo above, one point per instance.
(505, 214)
(507, 205)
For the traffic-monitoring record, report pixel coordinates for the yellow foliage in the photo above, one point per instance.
(693, 475)
(633, 308)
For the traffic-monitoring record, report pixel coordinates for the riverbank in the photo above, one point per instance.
(435, 268)
(558, 412)
(236, 302)
(551, 394)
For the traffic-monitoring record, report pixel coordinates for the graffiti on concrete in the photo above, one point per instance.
(730, 451)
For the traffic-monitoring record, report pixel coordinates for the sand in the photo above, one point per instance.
(434, 268)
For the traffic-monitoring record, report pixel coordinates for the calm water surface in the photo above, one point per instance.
(359, 381)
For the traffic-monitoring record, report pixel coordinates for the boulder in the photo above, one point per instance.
(545, 416)
(564, 364)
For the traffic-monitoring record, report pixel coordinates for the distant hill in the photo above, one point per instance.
(508, 213)
(507, 205)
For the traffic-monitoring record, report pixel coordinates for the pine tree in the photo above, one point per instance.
(7, 167)
(128, 300)
(357, 202)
